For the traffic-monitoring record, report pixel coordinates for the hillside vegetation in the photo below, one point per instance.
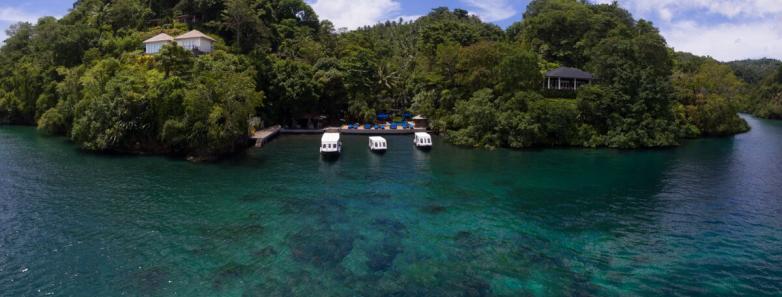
(764, 89)
(85, 76)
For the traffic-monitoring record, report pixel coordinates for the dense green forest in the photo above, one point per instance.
(764, 86)
(85, 76)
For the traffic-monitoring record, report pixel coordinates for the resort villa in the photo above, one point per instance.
(194, 41)
(565, 78)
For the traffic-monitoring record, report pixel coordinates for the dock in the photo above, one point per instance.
(380, 132)
(360, 131)
(264, 136)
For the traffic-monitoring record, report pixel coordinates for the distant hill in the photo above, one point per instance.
(754, 71)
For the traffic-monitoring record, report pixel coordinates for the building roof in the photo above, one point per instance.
(419, 117)
(160, 37)
(194, 34)
(330, 137)
(567, 72)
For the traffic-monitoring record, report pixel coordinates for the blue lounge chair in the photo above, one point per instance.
(393, 126)
(367, 126)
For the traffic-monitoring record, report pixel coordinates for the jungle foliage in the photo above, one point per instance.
(85, 76)
(764, 90)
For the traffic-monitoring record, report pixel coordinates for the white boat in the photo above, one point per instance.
(330, 144)
(378, 144)
(423, 140)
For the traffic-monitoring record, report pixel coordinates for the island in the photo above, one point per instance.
(196, 78)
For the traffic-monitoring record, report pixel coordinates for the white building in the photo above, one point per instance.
(195, 41)
(154, 44)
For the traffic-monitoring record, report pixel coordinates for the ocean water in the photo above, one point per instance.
(703, 219)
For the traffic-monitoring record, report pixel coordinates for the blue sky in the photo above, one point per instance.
(724, 29)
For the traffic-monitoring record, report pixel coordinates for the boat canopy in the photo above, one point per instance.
(423, 135)
(377, 139)
(423, 139)
(330, 138)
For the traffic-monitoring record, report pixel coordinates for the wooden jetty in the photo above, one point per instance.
(263, 136)
(374, 132)
(346, 131)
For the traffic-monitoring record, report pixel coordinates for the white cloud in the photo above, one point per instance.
(352, 14)
(724, 29)
(725, 8)
(727, 42)
(492, 10)
(12, 15)
(15, 15)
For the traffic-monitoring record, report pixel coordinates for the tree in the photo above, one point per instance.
(293, 89)
(555, 29)
(126, 14)
(241, 17)
(175, 60)
(711, 95)
(114, 113)
(218, 107)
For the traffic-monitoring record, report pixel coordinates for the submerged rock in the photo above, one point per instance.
(466, 239)
(390, 226)
(382, 257)
(231, 272)
(466, 286)
(507, 286)
(433, 209)
(320, 247)
(149, 281)
(250, 198)
(473, 287)
(233, 231)
(265, 252)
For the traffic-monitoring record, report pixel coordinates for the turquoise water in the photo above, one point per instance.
(700, 220)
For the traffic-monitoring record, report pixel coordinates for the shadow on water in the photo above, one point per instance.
(329, 159)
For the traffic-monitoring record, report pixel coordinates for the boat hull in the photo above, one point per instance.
(328, 153)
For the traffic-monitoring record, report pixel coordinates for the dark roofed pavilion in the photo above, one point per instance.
(566, 78)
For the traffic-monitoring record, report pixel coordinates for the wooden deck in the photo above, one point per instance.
(360, 131)
(263, 136)
(363, 131)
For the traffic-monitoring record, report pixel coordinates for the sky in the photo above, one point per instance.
(724, 29)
